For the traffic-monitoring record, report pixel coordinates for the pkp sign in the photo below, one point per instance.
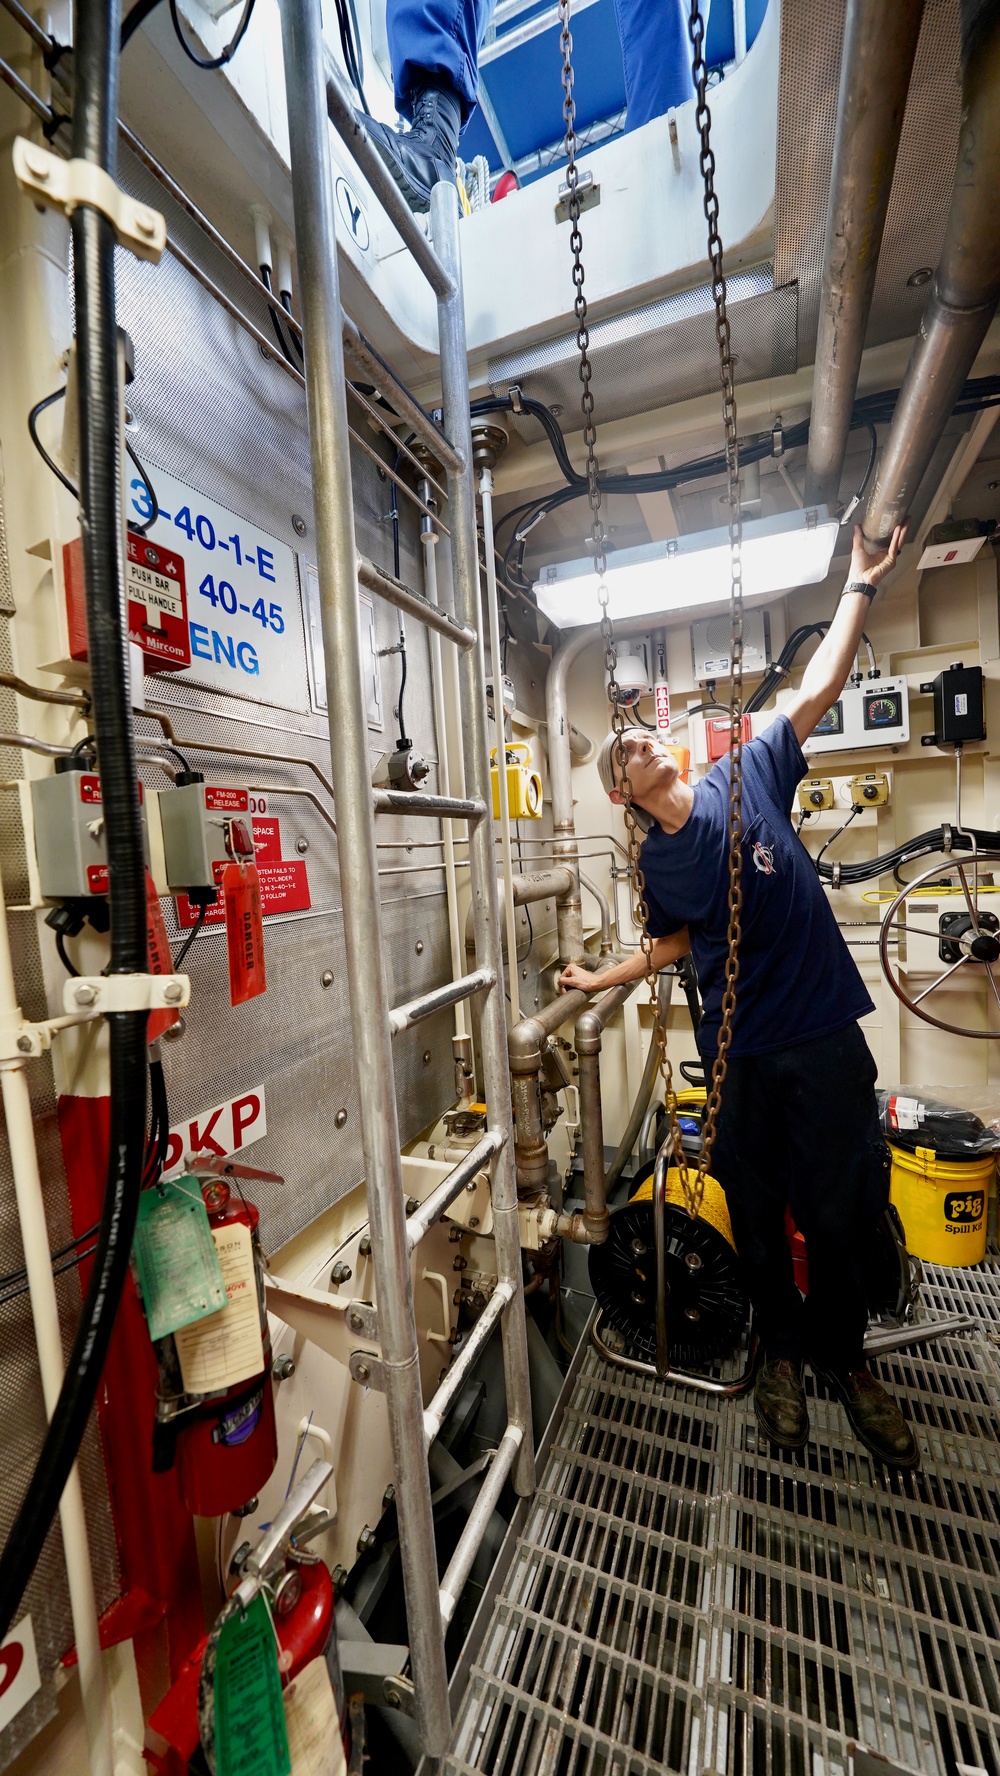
(218, 1133)
(19, 1674)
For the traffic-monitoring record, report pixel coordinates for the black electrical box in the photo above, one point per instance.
(959, 709)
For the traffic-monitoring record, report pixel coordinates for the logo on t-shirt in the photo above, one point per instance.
(763, 857)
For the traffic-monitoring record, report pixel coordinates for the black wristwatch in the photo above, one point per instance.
(860, 586)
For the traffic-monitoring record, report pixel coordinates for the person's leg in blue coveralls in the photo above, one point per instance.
(434, 49)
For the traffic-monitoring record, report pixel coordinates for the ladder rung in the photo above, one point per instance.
(374, 579)
(460, 1564)
(345, 121)
(413, 801)
(437, 1411)
(433, 1206)
(405, 1016)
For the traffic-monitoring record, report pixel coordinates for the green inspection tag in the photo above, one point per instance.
(175, 1256)
(250, 1734)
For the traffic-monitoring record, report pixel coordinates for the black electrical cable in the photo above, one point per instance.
(61, 953)
(265, 278)
(33, 417)
(57, 1270)
(182, 953)
(138, 15)
(923, 845)
(143, 528)
(350, 43)
(17, 1276)
(209, 63)
(95, 129)
(297, 346)
(855, 811)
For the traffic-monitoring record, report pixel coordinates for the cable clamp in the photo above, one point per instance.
(947, 838)
(103, 993)
(835, 875)
(514, 393)
(66, 184)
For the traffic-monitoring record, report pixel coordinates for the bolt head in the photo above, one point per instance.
(473, 1220)
(24, 1045)
(301, 845)
(326, 978)
(299, 525)
(84, 995)
(175, 1031)
(362, 1371)
(419, 946)
(356, 1322)
(284, 1367)
(340, 1119)
(392, 1697)
(172, 992)
(389, 1496)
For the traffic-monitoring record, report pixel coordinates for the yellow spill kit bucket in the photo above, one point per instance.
(942, 1204)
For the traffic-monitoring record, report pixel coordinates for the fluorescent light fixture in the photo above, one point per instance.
(689, 572)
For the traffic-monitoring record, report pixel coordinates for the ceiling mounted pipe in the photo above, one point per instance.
(880, 42)
(966, 286)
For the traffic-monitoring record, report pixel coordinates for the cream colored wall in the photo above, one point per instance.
(919, 624)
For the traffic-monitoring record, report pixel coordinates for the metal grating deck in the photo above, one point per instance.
(683, 1599)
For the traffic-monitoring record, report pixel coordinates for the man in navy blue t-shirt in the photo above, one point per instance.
(799, 1125)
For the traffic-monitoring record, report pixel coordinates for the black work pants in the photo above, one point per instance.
(800, 1127)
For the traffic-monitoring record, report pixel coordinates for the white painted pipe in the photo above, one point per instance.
(428, 538)
(45, 1315)
(486, 497)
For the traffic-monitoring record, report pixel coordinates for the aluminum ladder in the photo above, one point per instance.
(315, 98)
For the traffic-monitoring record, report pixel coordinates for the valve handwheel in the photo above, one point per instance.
(967, 940)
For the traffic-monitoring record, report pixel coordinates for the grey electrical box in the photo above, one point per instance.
(711, 640)
(70, 840)
(196, 819)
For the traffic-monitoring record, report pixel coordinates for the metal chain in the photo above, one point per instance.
(692, 1179)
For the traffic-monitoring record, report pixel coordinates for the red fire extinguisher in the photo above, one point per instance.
(225, 1445)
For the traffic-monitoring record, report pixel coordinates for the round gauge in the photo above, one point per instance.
(882, 712)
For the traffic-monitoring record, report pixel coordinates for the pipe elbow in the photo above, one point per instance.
(588, 1032)
(524, 1046)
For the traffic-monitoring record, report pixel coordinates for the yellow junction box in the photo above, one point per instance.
(524, 786)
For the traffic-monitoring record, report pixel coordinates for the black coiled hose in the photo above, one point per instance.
(95, 115)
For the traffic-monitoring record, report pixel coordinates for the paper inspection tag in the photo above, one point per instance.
(314, 1739)
(225, 1348)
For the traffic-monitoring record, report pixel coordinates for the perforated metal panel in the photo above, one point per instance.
(664, 352)
(684, 1598)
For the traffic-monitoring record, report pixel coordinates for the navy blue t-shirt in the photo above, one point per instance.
(797, 979)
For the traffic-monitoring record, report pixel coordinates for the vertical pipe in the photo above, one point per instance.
(472, 691)
(428, 540)
(500, 722)
(880, 43)
(569, 912)
(48, 1337)
(319, 294)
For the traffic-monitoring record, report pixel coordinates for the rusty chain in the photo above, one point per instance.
(692, 1179)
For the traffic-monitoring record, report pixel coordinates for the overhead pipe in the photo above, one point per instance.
(880, 43)
(965, 289)
(569, 912)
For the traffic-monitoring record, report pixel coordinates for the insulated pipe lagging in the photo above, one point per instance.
(95, 114)
(569, 914)
(966, 286)
(880, 43)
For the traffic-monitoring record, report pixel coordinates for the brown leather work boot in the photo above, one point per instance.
(876, 1419)
(779, 1402)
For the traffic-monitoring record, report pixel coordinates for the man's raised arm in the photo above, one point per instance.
(828, 670)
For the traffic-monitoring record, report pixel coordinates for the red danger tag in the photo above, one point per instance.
(244, 932)
(159, 960)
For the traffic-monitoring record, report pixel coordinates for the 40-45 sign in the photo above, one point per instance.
(244, 617)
